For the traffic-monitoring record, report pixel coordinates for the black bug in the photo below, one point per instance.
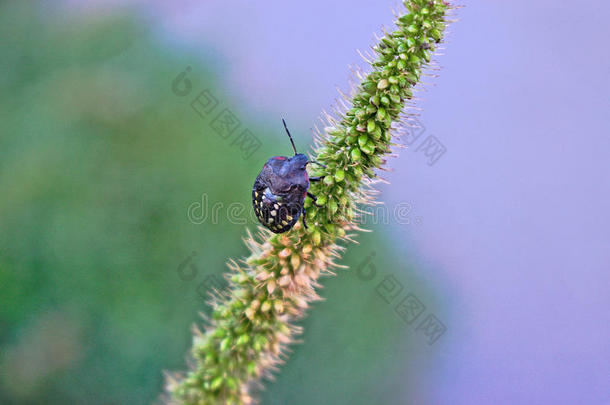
(280, 189)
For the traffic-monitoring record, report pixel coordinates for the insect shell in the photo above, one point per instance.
(279, 192)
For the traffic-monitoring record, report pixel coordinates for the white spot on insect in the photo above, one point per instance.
(270, 220)
(288, 217)
(284, 223)
(276, 206)
(273, 213)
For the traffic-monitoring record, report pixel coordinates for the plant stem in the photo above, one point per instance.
(253, 320)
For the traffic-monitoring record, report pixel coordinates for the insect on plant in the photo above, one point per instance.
(279, 191)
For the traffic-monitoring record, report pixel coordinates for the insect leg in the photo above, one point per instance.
(318, 163)
(313, 197)
(304, 215)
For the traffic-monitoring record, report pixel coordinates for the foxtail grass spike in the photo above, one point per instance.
(253, 321)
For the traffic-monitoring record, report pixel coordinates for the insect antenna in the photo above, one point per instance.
(290, 136)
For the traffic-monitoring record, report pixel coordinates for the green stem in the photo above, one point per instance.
(253, 321)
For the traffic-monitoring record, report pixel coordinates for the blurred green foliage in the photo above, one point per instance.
(99, 162)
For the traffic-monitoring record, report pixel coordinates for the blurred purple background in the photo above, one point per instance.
(515, 232)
